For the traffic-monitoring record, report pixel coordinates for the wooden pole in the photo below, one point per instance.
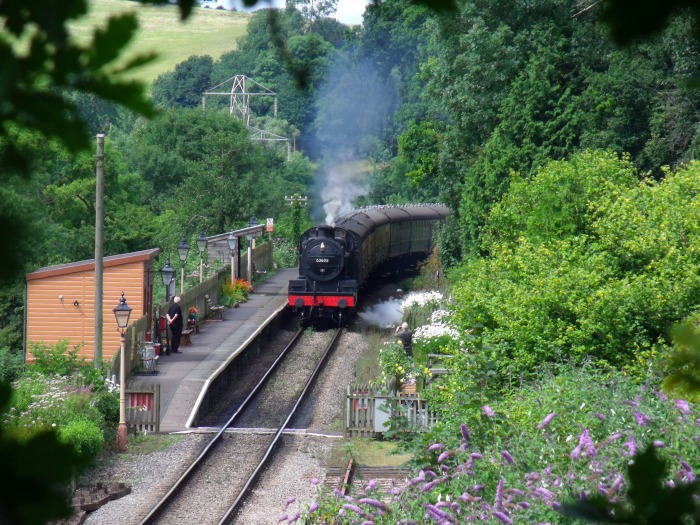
(99, 247)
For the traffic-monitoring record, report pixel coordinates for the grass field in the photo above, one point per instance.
(206, 32)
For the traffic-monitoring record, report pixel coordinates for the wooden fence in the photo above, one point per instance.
(368, 412)
(143, 408)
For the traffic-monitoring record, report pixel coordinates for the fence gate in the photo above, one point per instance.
(367, 411)
(143, 408)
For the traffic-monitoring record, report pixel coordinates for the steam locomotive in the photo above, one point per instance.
(336, 261)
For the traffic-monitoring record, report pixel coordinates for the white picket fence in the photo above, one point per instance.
(367, 411)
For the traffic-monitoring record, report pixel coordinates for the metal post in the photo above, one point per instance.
(122, 442)
(182, 279)
(201, 269)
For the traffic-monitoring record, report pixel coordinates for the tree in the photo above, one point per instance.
(184, 86)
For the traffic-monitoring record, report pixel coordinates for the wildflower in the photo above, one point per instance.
(503, 517)
(488, 411)
(354, 508)
(435, 446)
(314, 481)
(546, 421)
(631, 403)
(314, 507)
(436, 512)
(294, 518)
(371, 484)
(442, 457)
(498, 502)
(283, 517)
(661, 396)
(464, 430)
(506, 455)
(290, 501)
(600, 416)
(368, 522)
(631, 446)
(641, 418)
(476, 455)
(659, 444)
(682, 405)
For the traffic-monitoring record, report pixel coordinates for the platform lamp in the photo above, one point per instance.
(183, 249)
(252, 222)
(232, 246)
(167, 273)
(201, 246)
(122, 312)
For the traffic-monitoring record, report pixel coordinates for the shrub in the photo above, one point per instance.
(85, 437)
(231, 293)
(10, 365)
(56, 359)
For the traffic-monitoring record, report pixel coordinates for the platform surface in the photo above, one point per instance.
(182, 376)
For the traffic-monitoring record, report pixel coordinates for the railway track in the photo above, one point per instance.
(226, 488)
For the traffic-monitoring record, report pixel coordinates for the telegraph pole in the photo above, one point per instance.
(99, 246)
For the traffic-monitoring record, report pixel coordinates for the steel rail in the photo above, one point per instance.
(228, 517)
(165, 500)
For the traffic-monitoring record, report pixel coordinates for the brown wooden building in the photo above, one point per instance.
(60, 301)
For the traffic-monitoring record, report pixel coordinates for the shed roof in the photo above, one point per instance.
(82, 266)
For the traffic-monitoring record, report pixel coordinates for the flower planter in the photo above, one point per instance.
(408, 389)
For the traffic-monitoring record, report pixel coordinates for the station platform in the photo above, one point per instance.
(184, 377)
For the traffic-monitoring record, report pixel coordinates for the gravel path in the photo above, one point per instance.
(302, 458)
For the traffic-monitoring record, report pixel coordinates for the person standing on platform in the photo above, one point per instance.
(404, 334)
(174, 317)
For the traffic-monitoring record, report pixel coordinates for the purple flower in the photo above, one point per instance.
(503, 517)
(283, 517)
(442, 457)
(659, 444)
(547, 420)
(586, 442)
(290, 501)
(314, 481)
(600, 416)
(476, 455)
(436, 512)
(436, 446)
(354, 508)
(631, 446)
(506, 455)
(429, 486)
(631, 403)
(372, 484)
(641, 418)
(373, 502)
(523, 505)
(661, 396)
(314, 507)
(367, 522)
(464, 430)
(682, 405)
(488, 411)
(498, 502)
(576, 453)
(294, 518)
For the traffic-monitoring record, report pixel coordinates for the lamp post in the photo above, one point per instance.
(232, 246)
(122, 313)
(252, 222)
(182, 250)
(201, 246)
(167, 273)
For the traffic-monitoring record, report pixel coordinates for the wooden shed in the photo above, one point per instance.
(60, 301)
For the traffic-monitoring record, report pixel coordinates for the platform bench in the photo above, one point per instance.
(185, 339)
(216, 311)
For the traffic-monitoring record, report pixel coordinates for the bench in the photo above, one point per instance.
(185, 339)
(215, 311)
(436, 366)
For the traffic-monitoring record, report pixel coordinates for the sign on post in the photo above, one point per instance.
(269, 225)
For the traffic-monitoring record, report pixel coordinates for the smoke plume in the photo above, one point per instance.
(384, 315)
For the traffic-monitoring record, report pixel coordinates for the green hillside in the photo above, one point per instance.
(207, 32)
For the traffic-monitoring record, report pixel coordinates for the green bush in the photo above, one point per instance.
(56, 359)
(10, 365)
(85, 436)
(584, 263)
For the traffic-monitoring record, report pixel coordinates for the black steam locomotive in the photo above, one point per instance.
(336, 261)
